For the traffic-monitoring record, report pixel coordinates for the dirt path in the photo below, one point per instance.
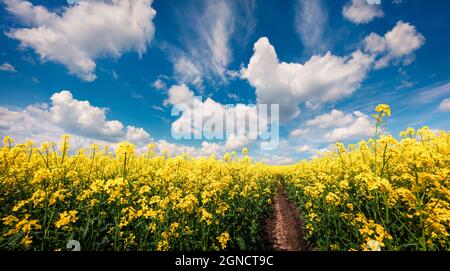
(284, 230)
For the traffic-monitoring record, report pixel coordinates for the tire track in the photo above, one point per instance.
(284, 230)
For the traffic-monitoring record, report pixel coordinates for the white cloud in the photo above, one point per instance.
(84, 31)
(431, 93)
(445, 105)
(207, 51)
(114, 75)
(335, 118)
(47, 123)
(405, 84)
(179, 94)
(299, 132)
(237, 136)
(159, 84)
(35, 80)
(232, 74)
(29, 14)
(236, 142)
(375, 44)
(311, 20)
(208, 149)
(32, 121)
(361, 11)
(209, 28)
(245, 20)
(162, 146)
(277, 160)
(218, 35)
(304, 148)
(403, 39)
(137, 135)
(205, 150)
(397, 44)
(188, 72)
(233, 96)
(156, 107)
(323, 151)
(321, 79)
(42, 122)
(6, 67)
(361, 127)
(74, 115)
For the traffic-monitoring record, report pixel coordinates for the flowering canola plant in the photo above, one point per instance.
(124, 201)
(381, 194)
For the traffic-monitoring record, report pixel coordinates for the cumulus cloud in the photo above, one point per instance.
(74, 115)
(335, 118)
(6, 67)
(299, 132)
(361, 11)
(38, 123)
(87, 124)
(323, 151)
(374, 43)
(445, 105)
(233, 121)
(321, 79)
(163, 146)
(209, 148)
(137, 135)
(179, 94)
(304, 148)
(84, 32)
(403, 39)
(362, 126)
(43, 122)
(236, 142)
(398, 44)
(277, 160)
(205, 150)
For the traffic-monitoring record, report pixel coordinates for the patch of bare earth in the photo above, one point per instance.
(284, 230)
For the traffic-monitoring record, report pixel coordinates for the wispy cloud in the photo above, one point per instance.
(208, 30)
(311, 19)
(432, 93)
(6, 67)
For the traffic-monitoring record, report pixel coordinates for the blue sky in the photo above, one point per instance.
(123, 63)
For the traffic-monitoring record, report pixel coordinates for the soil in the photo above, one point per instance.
(284, 230)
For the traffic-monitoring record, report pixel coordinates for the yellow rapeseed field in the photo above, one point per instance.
(382, 194)
(379, 194)
(124, 201)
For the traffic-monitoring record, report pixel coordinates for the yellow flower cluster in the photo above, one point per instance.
(65, 218)
(122, 200)
(223, 239)
(383, 193)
